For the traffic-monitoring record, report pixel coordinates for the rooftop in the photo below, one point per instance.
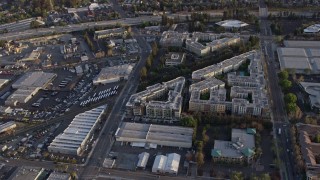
(232, 24)
(155, 132)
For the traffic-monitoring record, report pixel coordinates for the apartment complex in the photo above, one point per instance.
(159, 102)
(309, 149)
(210, 42)
(247, 93)
(198, 43)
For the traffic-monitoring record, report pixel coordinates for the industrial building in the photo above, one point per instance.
(59, 176)
(313, 89)
(168, 164)
(113, 74)
(74, 139)
(241, 148)
(230, 24)
(27, 172)
(151, 105)
(173, 58)
(152, 135)
(3, 82)
(28, 85)
(7, 126)
(312, 29)
(116, 32)
(302, 60)
(143, 160)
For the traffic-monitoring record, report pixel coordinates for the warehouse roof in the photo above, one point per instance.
(74, 135)
(232, 24)
(155, 132)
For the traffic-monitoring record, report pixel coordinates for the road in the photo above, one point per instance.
(106, 139)
(76, 27)
(278, 113)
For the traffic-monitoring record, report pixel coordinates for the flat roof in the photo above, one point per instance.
(3, 82)
(75, 134)
(153, 132)
(240, 140)
(113, 72)
(232, 23)
(302, 44)
(34, 79)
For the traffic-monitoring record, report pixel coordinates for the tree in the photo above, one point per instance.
(237, 175)
(143, 72)
(200, 158)
(285, 84)
(290, 98)
(291, 107)
(317, 138)
(284, 74)
(188, 122)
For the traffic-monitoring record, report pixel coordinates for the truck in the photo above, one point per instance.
(279, 131)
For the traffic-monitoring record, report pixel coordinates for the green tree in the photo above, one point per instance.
(143, 72)
(290, 98)
(237, 175)
(285, 84)
(291, 107)
(317, 138)
(200, 158)
(188, 121)
(284, 74)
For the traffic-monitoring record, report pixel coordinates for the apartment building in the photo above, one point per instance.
(159, 102)
(247, 93)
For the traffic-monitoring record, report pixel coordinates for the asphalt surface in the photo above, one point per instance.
(279, 115)
(76, 27)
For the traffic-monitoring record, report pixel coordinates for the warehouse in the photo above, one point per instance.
(74, 139)
(166, 164)
(7, 126)
(151, 135)
(113, 74)
(302, 60)
(28, 85)
(3, 82)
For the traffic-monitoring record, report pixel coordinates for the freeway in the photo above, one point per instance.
(278, 113)
(76, 27)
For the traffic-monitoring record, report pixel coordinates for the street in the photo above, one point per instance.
(278, 113)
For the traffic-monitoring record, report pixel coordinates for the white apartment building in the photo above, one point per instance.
(149, 104)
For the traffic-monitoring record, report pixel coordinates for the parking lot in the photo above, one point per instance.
(128, 161)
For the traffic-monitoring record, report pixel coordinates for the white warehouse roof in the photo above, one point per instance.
(166, 164)
(174, 136)
(232, 24)
(74, 137)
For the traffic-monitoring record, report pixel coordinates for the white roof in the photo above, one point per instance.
(143, 159)
(76, 133)
(3, 81)
(172, 164)
(312, 29)
(159, 163)
(232, 24)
